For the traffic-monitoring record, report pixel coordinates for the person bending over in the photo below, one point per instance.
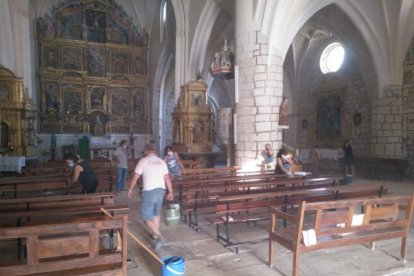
(283, 162)
(82, 172)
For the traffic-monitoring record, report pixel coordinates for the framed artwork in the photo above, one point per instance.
(119, 63)
(50, 57)
(138, 100)
(51, 96)
(96, 64)
(5, 89)
(196, 98)
(138, 65)
(120, 103)
(328, 117)
(97, 98)
(72, 58)
(96, 23)
(72, 102)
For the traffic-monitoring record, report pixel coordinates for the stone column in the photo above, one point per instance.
(260, 85)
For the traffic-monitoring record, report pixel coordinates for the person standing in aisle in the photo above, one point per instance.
(120, 156)
(155, 179)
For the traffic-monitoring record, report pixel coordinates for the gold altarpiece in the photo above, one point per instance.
(17, 116)
(193, 124)
(92, 70)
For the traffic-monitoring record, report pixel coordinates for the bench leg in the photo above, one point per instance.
(271, 253)
(296, 264)
(404, 250)
(217, 232)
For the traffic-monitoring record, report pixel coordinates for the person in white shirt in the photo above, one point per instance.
(121, 157)
(155, 179)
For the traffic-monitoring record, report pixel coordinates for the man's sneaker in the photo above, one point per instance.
(158, 243)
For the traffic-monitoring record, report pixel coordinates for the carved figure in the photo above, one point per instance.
(51, 98)
(283, 112)
(97, 95)
(196, 133)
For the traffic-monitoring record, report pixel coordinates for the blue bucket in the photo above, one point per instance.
(173, 265)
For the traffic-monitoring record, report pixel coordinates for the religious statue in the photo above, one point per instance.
(283, 112)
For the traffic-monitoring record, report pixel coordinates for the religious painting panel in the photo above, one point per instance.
(50, 57)
(120, 101)
(119, 63)
(96, 23)
(96, 61)
(97, 98)
(72, 99)
(138, 100)
(51, 94)
(197, 98)
(5, 91)
(328, 117)
(67, 22)
(72, 58)
(138, 65)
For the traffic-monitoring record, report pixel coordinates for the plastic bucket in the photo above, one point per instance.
(173, 265)
(172, 216)
(348, 179)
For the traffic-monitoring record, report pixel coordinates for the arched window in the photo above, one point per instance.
(332, 58)
(163, 20)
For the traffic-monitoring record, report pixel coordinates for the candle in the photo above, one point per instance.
(236, 84)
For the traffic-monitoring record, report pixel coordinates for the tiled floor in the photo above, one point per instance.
(204, 256)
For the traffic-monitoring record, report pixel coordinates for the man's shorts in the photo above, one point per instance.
(151, 203)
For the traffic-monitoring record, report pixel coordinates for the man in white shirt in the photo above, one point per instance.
(155, 179)
(121, 157)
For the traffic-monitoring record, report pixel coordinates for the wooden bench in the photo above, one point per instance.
(255, 206)
(201, 199)
(381, 168)
(59, 201)
(334, 224)
(69, 248)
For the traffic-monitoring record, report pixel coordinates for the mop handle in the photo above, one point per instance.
(137, 240)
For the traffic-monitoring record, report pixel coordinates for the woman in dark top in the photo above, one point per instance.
(82, 171)
(283, 163)
(348, 158)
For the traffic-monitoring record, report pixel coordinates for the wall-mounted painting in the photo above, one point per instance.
(119, 101)
(138, 65)
(96, 61)
(97, 98)
(138, 100)
(51, 95)
(50, 57)
(72, 102)
(119, 63)
(197, 98)
(72, 58)
(5, 89)
(96, 23)
(328, 117)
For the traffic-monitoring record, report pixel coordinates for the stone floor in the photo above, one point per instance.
(205, 256)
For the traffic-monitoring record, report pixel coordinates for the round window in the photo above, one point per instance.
(332, 58)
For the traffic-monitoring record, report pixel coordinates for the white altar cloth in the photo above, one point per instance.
(12, 163)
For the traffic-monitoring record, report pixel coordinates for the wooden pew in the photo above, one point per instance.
(334, 225)
(197, 199)
(71, 247)
(255, 205)
(59, 201)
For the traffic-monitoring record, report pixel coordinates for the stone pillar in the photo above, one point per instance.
(260, 85)
(386, 124)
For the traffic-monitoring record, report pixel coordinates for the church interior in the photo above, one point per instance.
(217, 80)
